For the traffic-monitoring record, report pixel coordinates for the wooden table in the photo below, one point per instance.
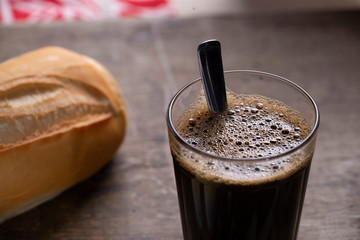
(134, 196)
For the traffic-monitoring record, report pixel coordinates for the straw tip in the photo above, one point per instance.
(208, 43)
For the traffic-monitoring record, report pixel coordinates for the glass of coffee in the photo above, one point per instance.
(242, 173)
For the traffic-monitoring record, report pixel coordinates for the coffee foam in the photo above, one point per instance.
(252, 126)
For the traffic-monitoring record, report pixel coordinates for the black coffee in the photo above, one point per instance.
(241, 199)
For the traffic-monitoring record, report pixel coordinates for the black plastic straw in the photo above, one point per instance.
(212, 74)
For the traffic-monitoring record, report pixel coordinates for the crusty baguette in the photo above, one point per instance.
(62, 117)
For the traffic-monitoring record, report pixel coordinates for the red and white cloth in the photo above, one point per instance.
(36, 11)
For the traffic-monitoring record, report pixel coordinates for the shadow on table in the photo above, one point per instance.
(48, 219)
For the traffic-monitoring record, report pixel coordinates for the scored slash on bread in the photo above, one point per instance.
(62, 117)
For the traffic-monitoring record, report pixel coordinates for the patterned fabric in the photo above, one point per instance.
(35, 11)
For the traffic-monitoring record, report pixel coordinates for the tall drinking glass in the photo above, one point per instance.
(243, 197)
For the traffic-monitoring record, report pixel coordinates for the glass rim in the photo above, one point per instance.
(268, 158)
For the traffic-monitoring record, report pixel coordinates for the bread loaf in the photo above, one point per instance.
(62, 118)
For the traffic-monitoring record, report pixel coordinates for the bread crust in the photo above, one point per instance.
(62, 117)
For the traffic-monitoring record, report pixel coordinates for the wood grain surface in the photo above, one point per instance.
(134, 196)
